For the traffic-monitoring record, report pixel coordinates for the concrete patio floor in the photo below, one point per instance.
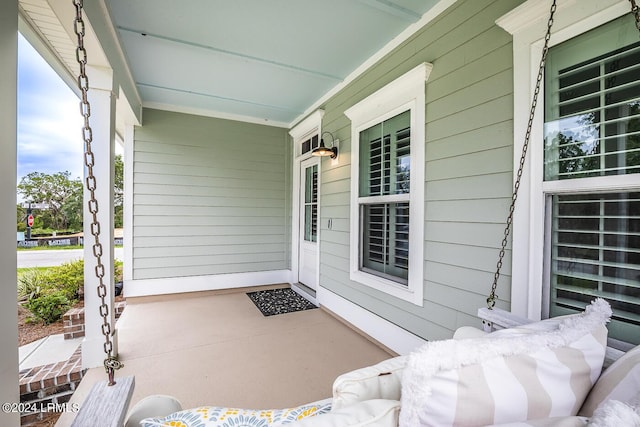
(216, 348)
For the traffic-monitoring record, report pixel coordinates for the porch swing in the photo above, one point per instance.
(107, 402)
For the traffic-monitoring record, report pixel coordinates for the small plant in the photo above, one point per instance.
(49, 292)
(68, 278)
(30, 284)
(49, 308)
(117, 270)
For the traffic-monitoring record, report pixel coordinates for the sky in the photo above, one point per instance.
(49, 120)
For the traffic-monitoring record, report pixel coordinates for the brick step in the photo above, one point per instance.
(73, 320)
(46, 388)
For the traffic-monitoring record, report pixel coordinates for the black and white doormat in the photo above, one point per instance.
(279, 301)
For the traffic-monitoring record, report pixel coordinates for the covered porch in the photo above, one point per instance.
(220, 112)
(216, 348)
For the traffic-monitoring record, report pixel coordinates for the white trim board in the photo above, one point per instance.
(303, 293)
(307, 127)
(127, 158)
(177, 285)
(214, 114)
(310, 126)
(390, 335)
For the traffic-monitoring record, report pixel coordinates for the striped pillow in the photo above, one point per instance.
(620, 381)
(506, 378)
(573, 421)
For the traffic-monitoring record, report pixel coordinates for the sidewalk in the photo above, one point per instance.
(51, 349)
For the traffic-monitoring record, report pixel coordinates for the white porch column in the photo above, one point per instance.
(9, 390)
(102, 97)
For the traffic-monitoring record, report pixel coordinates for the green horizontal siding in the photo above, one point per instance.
(468, 169)
(210, 196)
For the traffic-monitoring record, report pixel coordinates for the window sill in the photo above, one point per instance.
(395, 289)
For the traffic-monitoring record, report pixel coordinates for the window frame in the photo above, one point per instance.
(312, 125)
(406, 93)
(387, 199)
(530, 254)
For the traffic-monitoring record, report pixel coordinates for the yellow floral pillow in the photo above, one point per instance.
(215, 416)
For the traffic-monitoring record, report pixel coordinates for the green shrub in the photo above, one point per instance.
(68, 278)
(48, 308)
(31, 282)
(117, 270)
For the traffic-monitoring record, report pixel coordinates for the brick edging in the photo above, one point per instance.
(49, 384)
(73, 320)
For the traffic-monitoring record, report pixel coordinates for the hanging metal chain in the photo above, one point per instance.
(635, 10)
(491, 300)
(111, 362)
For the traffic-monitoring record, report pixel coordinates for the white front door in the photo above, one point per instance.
(308, 237)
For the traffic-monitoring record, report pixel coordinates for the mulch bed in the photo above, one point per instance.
(33, 331)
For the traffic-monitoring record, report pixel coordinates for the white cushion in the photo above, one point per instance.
(615, 414)
(380, 381)
(370, 413)
(542, 371)
(465, 332)
(620, 381)
(156, 405)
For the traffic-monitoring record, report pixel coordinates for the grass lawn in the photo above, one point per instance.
(56, 248)
(51, 248)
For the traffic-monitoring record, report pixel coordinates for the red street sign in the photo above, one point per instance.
(30, 220)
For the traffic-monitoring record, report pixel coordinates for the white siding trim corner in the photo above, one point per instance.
(127, 158)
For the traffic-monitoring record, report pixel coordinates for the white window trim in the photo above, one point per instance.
(305, 130)
(527, 23)
(308, 127)
(405, 93)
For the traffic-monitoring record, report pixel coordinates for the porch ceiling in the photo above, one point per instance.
(263, 60)
(267, 60)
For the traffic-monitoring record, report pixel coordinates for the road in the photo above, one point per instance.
(56, 257)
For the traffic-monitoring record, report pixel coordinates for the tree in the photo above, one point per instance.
(64, 198)
(57, 191)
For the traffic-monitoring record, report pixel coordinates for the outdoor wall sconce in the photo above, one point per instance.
(323, 151)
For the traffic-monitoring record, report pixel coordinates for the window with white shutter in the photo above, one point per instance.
(385, 169)
(591, 175)
(387, 187)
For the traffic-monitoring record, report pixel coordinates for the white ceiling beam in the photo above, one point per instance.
(221, 98)
(243, 56)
